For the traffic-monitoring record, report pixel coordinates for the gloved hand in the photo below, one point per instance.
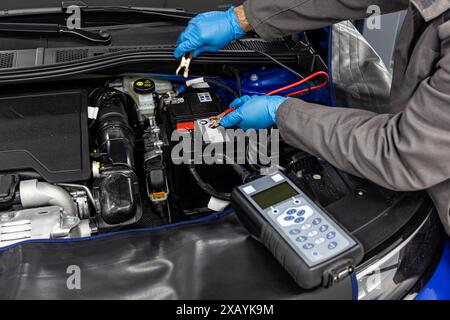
(253, 112)
(209, 31)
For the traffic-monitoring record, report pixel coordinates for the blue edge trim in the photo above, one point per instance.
(212, 217)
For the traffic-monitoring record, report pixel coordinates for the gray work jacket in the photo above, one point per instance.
(406, 148)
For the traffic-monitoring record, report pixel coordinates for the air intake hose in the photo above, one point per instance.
(34, 193)
(114, 136)
(116, 190)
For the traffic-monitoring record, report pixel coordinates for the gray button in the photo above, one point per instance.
(332, 245)
(331, 235)
(294, 232)
(323, 228)
(308, 246)
(316, 221)
(301, 239)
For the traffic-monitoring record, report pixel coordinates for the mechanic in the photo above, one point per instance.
(406, 149)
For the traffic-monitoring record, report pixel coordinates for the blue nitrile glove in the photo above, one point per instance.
(253, 112)
(209, 31)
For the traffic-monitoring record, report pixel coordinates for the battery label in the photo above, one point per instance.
(204, 97)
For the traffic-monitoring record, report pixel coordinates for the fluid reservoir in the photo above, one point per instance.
(142, 92)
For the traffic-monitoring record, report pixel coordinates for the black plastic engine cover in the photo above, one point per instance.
(46, 132)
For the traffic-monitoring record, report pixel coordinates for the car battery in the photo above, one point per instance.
(194, 105)
(191, 112)
(188, 116)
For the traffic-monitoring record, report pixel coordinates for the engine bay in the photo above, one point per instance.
(96, 159)
(80, 158)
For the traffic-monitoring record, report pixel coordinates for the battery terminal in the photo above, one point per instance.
(215, 120)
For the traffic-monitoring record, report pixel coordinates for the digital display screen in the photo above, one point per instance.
(274, 195)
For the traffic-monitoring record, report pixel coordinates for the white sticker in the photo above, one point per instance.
(92, 112)
(277, 177)
(204, 97)
(197, 83)
(217, 204)
(202, 85)
(248, 189)
(194, 81)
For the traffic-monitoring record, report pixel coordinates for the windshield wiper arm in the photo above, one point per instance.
(161, 12)
(100, 37)
(178, 14)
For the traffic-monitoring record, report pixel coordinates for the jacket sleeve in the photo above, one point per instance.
(277, 18)
(406, 151)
